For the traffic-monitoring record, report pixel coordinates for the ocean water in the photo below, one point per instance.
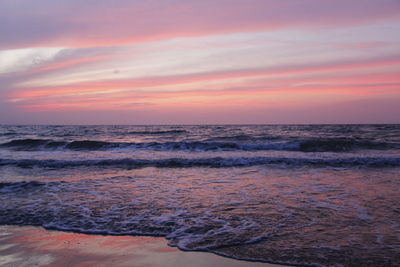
(318, 195)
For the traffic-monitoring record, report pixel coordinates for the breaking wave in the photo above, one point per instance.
(312, 145)
(189, 230)
(235, 222)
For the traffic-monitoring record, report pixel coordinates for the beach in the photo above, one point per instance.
(35, 246)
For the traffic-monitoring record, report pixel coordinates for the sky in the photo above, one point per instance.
(199, 62)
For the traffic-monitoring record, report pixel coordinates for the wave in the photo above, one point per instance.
(8, 134)
(216, 162)
(12, 186)
(312, 145)
(221, 220)
(246, 137)
(186, 228)
(341, 145)
(157, 132)
(38, 144)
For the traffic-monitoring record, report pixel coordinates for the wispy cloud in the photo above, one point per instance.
(103, 23)
(186, 58)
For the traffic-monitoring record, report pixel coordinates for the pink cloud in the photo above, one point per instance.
(236, 88)
(294, 69)
(64, 64)
(26, 23)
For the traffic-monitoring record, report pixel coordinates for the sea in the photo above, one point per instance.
(309, 195)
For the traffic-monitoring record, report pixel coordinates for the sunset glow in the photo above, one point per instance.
(190, 62)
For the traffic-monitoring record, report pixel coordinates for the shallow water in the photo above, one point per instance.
(299, 194)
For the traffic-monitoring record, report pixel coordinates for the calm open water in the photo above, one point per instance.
(299, 194)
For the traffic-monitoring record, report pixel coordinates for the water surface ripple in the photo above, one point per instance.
(317, 195)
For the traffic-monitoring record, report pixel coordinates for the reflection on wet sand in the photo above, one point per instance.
(33, 246)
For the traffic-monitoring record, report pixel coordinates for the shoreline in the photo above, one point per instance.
(36, 246)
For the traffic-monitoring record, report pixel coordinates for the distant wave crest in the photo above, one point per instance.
(311, 145)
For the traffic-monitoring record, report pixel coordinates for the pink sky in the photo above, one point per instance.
(191, 62)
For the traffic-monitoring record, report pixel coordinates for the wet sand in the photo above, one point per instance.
(35, 246)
